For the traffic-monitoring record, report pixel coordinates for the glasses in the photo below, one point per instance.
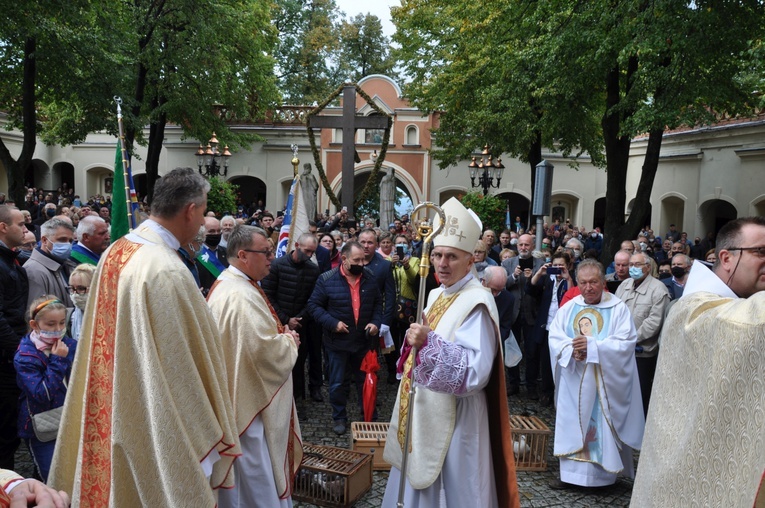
(639, 265)
(268, 253)
(757, 251)
(80, 290)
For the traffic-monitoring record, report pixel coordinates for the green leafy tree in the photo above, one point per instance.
(363, 48)
(55, 68)
(220, 64)
(490, 209)
(222, 197)
(578, 77)
(307, 42)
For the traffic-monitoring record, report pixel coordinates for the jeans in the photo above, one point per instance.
(340, 362)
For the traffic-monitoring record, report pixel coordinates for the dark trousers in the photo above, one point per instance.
(397, 331)
(646, 368)
(530, 350)
(339, 363)
(9, 411)
(309, 349)
(548, 383)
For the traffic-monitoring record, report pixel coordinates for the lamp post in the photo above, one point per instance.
(486, 171)
(210, 158)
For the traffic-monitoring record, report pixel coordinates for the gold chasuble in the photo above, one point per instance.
(260, 359)
(148, 400)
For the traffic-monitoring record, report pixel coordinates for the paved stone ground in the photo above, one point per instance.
(316, 427)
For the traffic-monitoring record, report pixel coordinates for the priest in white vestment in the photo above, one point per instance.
(460, 448)
(599, 411)
(148, 419)
(705, 435)
(260, 354)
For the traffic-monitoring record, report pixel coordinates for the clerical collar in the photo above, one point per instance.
(701, 278)
(457, 285)
(163, 233)
(238, 272)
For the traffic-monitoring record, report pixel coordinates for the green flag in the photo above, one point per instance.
(120, 222)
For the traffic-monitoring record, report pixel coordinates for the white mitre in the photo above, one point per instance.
(462, 229)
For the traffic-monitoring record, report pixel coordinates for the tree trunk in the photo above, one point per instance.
(535, 157)
(17, 168)
(156, 138)
(617, 157)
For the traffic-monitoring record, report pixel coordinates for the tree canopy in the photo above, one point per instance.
(578, 77)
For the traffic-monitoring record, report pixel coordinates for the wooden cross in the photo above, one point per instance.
(349, 122)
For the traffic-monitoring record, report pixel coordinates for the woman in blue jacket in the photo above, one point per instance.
(43, 365)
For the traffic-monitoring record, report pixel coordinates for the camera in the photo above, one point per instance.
(554, 270)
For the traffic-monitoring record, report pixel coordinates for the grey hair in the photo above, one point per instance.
(87, 225)
(228, 218)
(241, 238)
(591, 264)
(6, 214)
(177, 189)
(201, 234)
(49, 228)
(581, 245)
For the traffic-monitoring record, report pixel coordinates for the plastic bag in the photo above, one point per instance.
(513, 353)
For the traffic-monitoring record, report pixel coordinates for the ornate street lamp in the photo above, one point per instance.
(210, 158)
(486, 171)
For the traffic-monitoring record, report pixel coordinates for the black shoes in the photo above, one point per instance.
(339, 427)
(512, 389)
(316, 395)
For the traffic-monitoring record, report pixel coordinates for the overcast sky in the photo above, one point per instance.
(380, 8)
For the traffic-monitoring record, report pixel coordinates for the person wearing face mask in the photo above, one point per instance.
(679, 268)
(189, 254)
(347, 304)
(288, 285)
(594, 241)
(212, 257)
(43, 364)
(47, 267)
(647, 300)
(79, 290)
(25, 249)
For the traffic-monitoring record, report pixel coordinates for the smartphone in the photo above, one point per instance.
(554, 270)
(345, 209)
(400, 251)
(326, 212)
(279, 213)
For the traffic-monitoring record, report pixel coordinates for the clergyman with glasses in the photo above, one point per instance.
(708, 401)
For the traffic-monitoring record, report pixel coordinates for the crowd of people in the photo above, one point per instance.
(172, 357)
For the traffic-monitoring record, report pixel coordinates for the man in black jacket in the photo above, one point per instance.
(383, 274)
(346, 303)
(288, 286)
(14, 290)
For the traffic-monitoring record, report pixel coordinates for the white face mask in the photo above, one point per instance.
(79, 301)
(51, 336)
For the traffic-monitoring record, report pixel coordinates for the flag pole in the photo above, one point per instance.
(295, 161)
(123, 150)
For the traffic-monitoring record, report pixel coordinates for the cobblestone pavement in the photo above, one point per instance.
(316, 426)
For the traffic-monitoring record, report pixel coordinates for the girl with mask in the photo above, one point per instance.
(79, 291)
(43, 365)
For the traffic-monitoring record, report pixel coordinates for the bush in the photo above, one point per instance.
(222, 197)
(490, 209)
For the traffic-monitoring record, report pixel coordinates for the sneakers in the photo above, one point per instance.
(339, 428)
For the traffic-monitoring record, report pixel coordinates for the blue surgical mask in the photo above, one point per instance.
(636, 273)
(548, 260)
(61, 250)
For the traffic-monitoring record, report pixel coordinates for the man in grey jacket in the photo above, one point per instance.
(47, 266)
(647, 298)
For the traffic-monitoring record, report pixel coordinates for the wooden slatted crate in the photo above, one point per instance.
(332, 477)
(369, 437)
(530, 436)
